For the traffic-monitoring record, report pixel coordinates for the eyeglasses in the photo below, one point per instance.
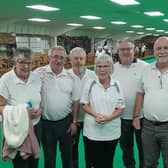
(60, 57)
(22, 62)
(102, 66)
(125, 49)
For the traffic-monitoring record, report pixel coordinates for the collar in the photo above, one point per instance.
(112, 81)
(19, 81)
(134, 60)
(49, 70)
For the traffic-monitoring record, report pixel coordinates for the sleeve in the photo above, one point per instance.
(140, 85)
(85, 96)
(76, 89)
(4, 89)
(120, 97)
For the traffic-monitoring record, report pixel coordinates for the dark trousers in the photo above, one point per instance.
(100, 153)
(127, 143)
(30, 162)
(76, 137)
(52, 133)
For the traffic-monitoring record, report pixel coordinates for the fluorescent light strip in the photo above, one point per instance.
(118, 22)
(149, 34)
(165, 20)
(90, 17)
(137, 26)
(99, 28)
(140, 33)
(150, 28)
(159, 30)
(43, 7)
(154, 13)
(130, 31)
(126, 2)
(39, 20)
(74, 24)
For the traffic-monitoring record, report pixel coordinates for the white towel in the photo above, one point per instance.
(15, 124)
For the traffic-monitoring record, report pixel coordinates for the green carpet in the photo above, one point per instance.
(117, 160)
(118, 163)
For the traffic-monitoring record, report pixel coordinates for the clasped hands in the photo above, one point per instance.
(101, 119)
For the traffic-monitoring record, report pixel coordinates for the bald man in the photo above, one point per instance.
(153, 95)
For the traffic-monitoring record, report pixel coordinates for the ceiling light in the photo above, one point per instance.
(126, 2)
(119, 22)
(154, 13)
(166, 32)
(160, 30)
(130, 31)
(43, 7)
(39, 20)
(156, 34)
(137, 26)
(74, 24)
(140, 33)
(98, 28)
(165, 20)
(90, 17)
(150, 28)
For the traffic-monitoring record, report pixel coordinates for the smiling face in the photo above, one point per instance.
(161, 50)
(56, 60)
(23, 67)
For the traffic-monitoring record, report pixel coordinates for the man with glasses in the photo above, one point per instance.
(60, 97)
(128, 71)
(152, 93)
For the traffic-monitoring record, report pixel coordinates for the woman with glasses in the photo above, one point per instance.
(102, 100)
(22, 86)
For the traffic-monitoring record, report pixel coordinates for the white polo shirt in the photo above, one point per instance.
(128, 78)
(15, 91)
(103, 101)
(58, 93)
(88, 75)
(155, 86)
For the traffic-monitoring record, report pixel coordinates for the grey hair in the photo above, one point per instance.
(158, 39)
(61, 48)
(23, 52)
(77, 49)
(126, 41)
(105, 57)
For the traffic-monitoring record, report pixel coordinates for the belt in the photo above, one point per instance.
(157, 123)
(67, 117)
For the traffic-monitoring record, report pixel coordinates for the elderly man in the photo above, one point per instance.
(153, 95)
(128, 71)
(60, 97)
(78, 59)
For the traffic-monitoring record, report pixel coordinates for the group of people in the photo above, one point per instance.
(109, 106)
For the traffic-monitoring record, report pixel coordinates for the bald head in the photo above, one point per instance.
(160, 40)
(161, 50)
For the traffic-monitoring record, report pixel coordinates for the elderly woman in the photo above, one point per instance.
(22, 86)
(103, 103)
